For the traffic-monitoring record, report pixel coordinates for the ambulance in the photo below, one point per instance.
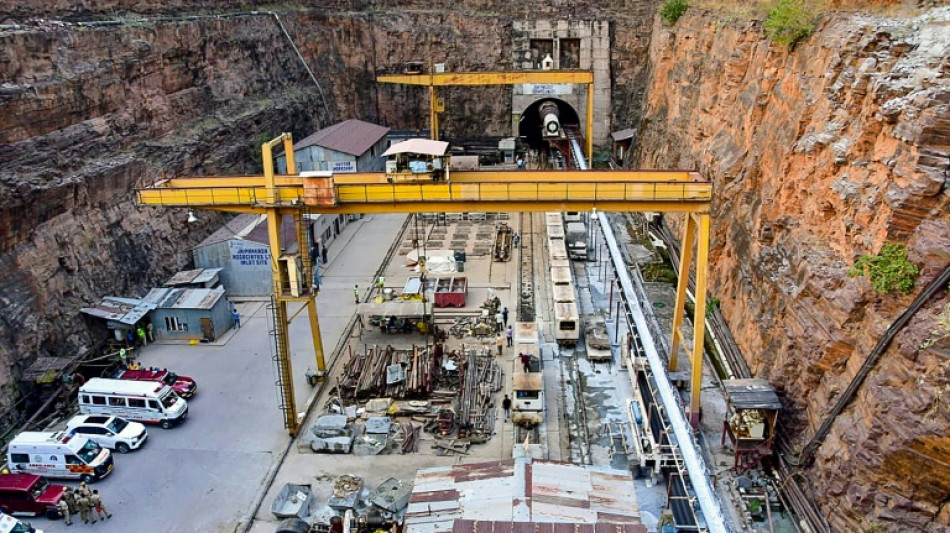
(59, 455)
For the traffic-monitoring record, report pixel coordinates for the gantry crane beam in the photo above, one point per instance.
(466, 191)
(276, 195)
(454, 79)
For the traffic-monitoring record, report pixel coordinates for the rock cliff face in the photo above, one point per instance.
(821, 154)
(100, 97)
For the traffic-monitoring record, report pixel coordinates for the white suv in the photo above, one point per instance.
(109, 431)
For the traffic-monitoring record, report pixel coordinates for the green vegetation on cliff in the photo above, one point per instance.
(790, 21)
(672, 10)
(888, 271)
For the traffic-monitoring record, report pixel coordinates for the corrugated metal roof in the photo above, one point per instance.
(516, 495)
(288, 232)
(122, 310)
(418, 146)
(474, 526)
(198, 275)
(253, 227)
(237, 227)
(623, 135)
(169, 298)
(352, 137)
(752, 393)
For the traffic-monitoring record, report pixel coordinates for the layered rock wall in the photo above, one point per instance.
(821, 154)
(101, 97)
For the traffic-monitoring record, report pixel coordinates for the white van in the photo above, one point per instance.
(141, 401)
(60, 455)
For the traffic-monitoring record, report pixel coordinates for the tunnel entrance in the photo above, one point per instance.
(529, 126)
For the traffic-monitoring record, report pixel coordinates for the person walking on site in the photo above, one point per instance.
(500, 343)
(129, 338)
(508, 334)
(356, 293)
(100, 510)
(499, 322)
(317, 280)
(140, 331)
(323, 253)
(504, 314)
(525, 361)
(506, 407)
(236, 317)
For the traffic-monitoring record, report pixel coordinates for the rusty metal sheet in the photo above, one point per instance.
(435, 496)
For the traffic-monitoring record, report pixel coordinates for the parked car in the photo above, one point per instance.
(184, 386)
(29, 495)
(110, 432)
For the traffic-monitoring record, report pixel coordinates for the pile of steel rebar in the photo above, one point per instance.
(480, 378)
(365, 375)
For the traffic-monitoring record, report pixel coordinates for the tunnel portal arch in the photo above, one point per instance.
(529, 125)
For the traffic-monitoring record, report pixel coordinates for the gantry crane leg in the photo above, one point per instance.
(695, 223)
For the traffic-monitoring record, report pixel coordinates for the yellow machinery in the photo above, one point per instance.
(415, 160)
(530, 191)
(453, 79)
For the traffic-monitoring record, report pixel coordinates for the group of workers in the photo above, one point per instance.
(140, 336)
(86, 502)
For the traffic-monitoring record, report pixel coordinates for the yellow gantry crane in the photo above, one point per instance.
(454, 79)
(531, 191)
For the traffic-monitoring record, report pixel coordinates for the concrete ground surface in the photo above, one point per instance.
(206, 474)
(221, 470)
(306, 467)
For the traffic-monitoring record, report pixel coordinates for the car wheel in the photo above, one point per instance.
(166, 424)
(53, 514)
(87, 478)
(122, 447)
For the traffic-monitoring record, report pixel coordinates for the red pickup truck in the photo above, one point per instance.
(184, 386)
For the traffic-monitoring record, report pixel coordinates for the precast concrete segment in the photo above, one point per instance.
(698, 474)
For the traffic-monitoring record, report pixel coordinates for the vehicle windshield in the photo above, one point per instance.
(169, 399)
(170, 378)
(117, 425)
(21, 527)
(89, 452)
(39, 488)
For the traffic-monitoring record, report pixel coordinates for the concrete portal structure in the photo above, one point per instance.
(572, 44)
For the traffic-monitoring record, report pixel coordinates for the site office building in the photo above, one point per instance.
(240, 249)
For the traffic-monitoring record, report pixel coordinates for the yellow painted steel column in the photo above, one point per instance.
(699, 317)
(682, 283)
(317, 337)
(590, 125)
(285, 369)
(282, 341)
(289, 153)
(433, 113)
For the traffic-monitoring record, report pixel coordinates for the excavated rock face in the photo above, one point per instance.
(819, 155)
(90, 111)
